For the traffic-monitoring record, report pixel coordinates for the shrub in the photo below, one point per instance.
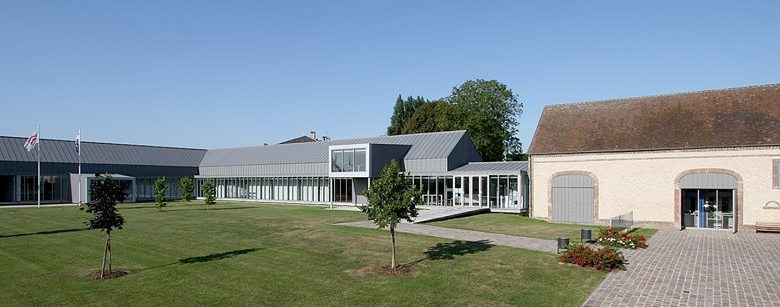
(186, 189)
(620, 238)
(602, 259)
(160, 190)
(208, 193)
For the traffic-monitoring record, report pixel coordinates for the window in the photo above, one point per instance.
(776, 174)
(348, 160)
(337, 163)
(360, 160)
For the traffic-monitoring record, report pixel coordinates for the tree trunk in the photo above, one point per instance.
(105, 253)
(109, 254)
(392, 236)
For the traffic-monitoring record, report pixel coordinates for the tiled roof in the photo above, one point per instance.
(747, 116)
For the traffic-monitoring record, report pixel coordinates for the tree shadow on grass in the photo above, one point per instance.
(448, 251)
(226, 208)
(46, 232)
(218, 256)
(202, 259)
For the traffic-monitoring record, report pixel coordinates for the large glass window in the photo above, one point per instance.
(337, 161)
(348, 160)
(360, 160)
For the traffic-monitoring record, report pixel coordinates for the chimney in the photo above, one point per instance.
(313, 135)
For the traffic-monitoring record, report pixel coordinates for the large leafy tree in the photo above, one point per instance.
(160, 190)
(392, 199)
(489, 111)
(429, 117)
(105, 194)
(402, 112)
(186, 188)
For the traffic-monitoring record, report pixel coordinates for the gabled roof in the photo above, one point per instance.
(424, 146)
(300, 139)
(61, 151)
(735, 117)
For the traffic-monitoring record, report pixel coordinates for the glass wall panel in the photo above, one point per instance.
(360, 160)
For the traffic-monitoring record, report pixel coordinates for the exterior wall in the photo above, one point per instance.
(268, 170)
(647, 183)
(381, 155)
(464, 152)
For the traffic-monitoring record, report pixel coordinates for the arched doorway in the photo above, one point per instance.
(708, 199)
(573, 198)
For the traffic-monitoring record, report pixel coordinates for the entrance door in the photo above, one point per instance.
(572, 199)
(708, 208)
(6, 189)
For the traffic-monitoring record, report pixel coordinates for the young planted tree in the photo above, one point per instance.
(186, 189)
(392, 199)
(160, 189)
(208, 191)
(106, 193)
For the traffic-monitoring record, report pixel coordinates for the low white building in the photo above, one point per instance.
(707, 159)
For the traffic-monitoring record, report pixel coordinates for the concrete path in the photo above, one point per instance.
(438, 213)
(467, 235)
(697, 268)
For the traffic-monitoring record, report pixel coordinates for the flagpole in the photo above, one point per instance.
(79, 148)
(39, 166)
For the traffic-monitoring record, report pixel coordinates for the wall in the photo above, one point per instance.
(644, 182)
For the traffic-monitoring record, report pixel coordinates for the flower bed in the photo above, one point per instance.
(620, 238)
(602, 259)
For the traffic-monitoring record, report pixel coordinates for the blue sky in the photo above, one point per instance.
(211, 74)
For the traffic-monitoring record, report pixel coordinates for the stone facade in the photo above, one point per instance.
(646, 183)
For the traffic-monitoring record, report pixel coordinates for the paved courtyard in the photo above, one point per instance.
(697, 268)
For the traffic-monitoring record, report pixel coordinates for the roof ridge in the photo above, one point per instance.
(634, 98)
(339, 140)
(105, 143)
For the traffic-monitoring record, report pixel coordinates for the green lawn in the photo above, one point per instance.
(513, 224)
(253, 254)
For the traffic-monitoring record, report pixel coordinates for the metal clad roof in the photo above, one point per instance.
(513, 167)
(61, 151)
(424, 146)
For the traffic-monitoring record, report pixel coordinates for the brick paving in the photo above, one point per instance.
(467, 235)
(697, 268)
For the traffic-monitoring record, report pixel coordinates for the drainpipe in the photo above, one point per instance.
(531, 187)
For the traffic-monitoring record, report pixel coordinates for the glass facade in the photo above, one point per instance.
(348, 160)
(494, 191)
(53, 189)
(297, 189)
(144, 188)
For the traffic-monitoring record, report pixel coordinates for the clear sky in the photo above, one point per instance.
(212, 74)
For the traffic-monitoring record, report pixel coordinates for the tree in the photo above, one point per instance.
(160, 189)
(489, 111)
(392, 199)
(402, 111)
(186, 188)
(106, 193)
(428, 117)
(208, 191)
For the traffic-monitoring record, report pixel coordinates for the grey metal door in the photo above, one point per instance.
(572, 199)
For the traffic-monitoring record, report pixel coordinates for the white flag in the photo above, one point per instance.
(31, 141)
(78, 142)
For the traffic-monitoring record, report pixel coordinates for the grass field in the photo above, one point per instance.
(252, 254)
(513, 224)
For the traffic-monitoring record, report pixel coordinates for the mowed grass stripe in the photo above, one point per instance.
(257, 254)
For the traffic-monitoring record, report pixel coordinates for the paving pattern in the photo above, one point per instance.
(697, 268)
(467, 235)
